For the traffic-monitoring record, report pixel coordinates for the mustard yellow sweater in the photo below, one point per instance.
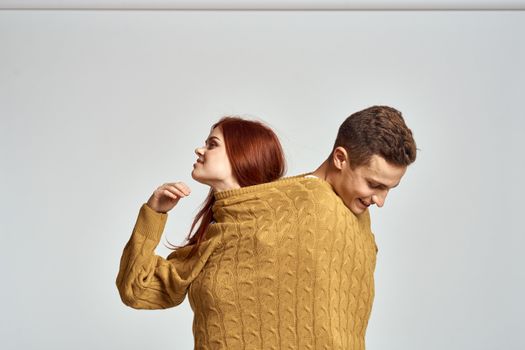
(285, 266)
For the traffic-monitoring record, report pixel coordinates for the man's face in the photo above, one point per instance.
(367, 184)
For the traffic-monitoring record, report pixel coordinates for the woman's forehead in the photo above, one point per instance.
(216, 132)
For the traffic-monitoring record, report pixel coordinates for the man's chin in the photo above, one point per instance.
(356, 209)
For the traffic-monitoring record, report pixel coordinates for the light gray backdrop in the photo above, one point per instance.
(97, 109)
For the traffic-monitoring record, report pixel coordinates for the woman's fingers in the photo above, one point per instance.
(176, 190)
(166, 196)
(167, 192)
(181, 186)
(184, 188)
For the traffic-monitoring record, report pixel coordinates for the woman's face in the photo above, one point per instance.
(213, 167)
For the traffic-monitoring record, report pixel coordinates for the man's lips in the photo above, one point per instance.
(364, 203)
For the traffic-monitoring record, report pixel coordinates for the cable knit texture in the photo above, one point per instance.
(285, 266)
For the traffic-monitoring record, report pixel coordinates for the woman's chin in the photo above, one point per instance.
(195, 176)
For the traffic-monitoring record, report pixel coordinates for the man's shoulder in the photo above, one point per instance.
(306, 182)
(303, 187)
(315, 195)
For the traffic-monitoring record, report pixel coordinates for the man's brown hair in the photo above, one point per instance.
(379, 130)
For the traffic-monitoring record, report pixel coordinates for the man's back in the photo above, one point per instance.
(293, 269)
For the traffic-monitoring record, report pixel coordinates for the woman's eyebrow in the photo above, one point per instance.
(212, 137)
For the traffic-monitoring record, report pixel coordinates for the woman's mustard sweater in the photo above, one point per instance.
(285, 266)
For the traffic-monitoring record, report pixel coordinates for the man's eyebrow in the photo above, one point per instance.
(382, 184)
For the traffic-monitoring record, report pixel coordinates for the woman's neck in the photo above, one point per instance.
(225, 186)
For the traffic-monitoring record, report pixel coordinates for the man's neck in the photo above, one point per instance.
(322, 171)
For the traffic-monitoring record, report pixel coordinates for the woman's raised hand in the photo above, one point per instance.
(167, 196)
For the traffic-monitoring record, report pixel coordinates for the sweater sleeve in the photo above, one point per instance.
(146, 280)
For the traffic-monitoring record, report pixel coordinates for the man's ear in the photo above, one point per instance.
(340, 158)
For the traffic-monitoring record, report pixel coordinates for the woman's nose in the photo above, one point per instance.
(198, 151)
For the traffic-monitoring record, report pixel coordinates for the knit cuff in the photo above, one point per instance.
(150, 223)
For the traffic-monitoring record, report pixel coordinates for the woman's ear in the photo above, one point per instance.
(339, 157)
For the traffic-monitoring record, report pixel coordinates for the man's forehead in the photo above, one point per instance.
(381, 172)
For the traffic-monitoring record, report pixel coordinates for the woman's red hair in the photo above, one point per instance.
(256, 157)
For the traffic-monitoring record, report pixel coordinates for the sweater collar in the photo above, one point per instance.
(220, 195)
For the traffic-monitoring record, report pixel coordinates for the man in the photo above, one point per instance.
(372, 151)
(334, 251)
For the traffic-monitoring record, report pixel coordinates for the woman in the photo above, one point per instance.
(236, 154)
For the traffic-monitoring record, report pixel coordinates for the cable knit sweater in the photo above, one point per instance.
(285, 266)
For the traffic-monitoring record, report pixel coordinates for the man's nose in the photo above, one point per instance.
(379, 198)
